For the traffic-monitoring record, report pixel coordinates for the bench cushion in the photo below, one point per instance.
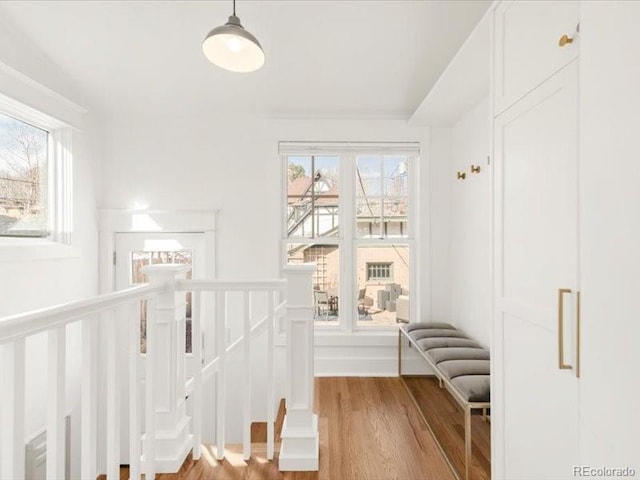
(457, 368)
(440, 342)
(473, 388)
(435, 332)
(409, 327)
(457, 353)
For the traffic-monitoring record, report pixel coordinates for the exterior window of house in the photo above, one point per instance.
(379, 271)
(357, 229)
(35, 177)
(23, 179)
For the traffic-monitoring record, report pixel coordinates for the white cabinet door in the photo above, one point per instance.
(527, 50)
(536, 241)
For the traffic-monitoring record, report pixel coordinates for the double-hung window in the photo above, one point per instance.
(35, 176)
(350, 210)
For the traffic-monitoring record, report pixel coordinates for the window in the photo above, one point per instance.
(35, 177)
(358, 228)
(23, 179)
(382, 196)
(312, 196)
(378, 271)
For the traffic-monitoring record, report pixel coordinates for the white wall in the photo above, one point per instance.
(439, 246)
(610, 232)
(471, 225)
(231, 163)
(28, 282)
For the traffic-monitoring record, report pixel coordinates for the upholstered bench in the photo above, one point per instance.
(461, 365)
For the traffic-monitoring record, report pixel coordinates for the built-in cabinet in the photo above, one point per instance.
(536, 241)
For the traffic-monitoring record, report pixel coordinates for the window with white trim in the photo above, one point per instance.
(379, 272)
(35, 175)
(348, 209)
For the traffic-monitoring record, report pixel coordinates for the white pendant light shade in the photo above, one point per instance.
(231, 47)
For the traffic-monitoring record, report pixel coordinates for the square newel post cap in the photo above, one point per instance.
(160, 273)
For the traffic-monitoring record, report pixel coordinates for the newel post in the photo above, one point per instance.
(166, 352)
(300, 443)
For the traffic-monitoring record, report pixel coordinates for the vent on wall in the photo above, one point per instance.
(36, 454)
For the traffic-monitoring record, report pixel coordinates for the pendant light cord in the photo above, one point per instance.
(234, 8)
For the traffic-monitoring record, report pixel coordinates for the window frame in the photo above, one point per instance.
(57, 242)
(387, 266)
(348, 240)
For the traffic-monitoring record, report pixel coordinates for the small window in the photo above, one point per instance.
(379, 272)
(24, 206)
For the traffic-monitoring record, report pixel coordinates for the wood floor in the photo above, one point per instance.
(369, 430)
(446, 419)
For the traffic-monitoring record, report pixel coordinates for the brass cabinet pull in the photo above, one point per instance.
(561, 364)
(577, 334)
(475, 168)
(564, 40)
(461, 175)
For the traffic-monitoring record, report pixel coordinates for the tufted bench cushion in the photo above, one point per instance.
(459, 359)
(440, 342)
(474, 388)
(457, 353)
(410, 327)
(435, 332)
(458, 368)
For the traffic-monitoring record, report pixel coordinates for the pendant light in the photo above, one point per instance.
(231, 47)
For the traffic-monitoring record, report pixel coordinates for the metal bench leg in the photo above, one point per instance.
(399, 353)
(467, 442)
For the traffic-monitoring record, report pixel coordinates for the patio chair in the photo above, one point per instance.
(363, 309)
(321, 300)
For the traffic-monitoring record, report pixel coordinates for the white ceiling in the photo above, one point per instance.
(323, 58)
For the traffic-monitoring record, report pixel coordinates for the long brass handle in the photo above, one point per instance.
(578, 334)
(561, 364)
(564, 40)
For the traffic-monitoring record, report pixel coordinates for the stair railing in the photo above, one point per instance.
(159, 383)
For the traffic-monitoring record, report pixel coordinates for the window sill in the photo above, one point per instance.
(29, 249)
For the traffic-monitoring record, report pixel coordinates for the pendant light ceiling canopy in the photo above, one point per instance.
(231, 47)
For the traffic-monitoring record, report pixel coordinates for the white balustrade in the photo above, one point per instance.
(165, 385)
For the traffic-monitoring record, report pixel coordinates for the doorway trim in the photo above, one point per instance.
(112, 221)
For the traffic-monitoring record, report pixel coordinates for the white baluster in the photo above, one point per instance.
(113, 399)
(221, 346)
(150, 405)
(270, 378)
(196, 351)
(133, 328)
(55, 410)
(246, 347)
(12, 375)
(88, 403)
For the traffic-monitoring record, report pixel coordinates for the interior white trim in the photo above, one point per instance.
(112, 221)
(287, 147)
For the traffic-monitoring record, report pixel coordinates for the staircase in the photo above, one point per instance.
(164, 416)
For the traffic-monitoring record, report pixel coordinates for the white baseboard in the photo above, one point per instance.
(362, 365)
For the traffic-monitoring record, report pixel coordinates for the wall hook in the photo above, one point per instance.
(475, 168)
(461, 175)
